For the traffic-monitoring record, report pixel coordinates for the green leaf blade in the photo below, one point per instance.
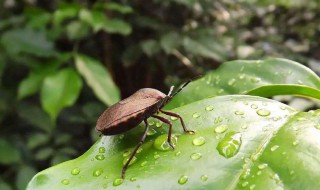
(60, 90)
(258, 161)
(241, 77)
(98, 78)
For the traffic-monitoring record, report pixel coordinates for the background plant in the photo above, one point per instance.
(101, 49)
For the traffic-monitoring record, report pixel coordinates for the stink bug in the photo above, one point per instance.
(128, 113)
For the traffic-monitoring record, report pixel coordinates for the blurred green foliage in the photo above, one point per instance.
(62, 62)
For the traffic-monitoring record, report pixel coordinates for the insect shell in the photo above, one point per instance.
(131, 111)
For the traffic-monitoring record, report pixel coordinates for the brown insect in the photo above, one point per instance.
(128, 113)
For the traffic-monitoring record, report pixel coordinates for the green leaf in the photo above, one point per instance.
(170, 41)
(256, 77)
(117, 26)
(37, 139)
(77, 30)
(44, 154)
(60, 90)
(27, 41)
(98, 21)
(240, 142)
(206, 47)
(98, 78)
(150, 47)
(124, 9)
(8, 153)
(24, 175)
(65, 11)
(31, 84)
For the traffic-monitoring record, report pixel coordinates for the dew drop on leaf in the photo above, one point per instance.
(230, 144)
(209, 108)
(254, 106)
(204, 178)
(65, 182)
(97, 172)
(173, 118)
(117, 182)
(183, 179)
(75, 171)
(196, 115)
(100, 157)
(275, 147)
(199, 141)
(263, 112)
(134, 159)
(161, 142)
(102, 150)
(196, 156)
(239, 112)
(221, 129)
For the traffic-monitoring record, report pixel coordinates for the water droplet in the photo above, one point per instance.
(254, 106)
(156, 156)
(139, 150)
(196, 115)
(105, 186)
(100, 157)
(106, 177)
(204, 178)
(301, 119)
(199, 141)
(300, 82)
(126, 153)
(183, 179)
(161, 142)
(173, 118)
(242, 76)
(151, 122)
(263, 112)
(231, 82)
(196, 156)
(178, 153)
(134, 159)
(117, 182)
(245, 174)
(275, 147)
(238, 112)
(75, 171)
(283, 107)
(262, 166)
(65, 182)
(133, 179)
(209, 108)
(317, 126)
(143, 163)
(244, 184)
(291, 172)
(230, 144)
(159, 124)
(252, 186)
(102, 150)
(221, 129)
(97, 172)
(255, 80)
(244, 126)
(295, 143)
(151, 132)
(259, 172)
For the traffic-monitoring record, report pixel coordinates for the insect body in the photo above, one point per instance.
(128, 113)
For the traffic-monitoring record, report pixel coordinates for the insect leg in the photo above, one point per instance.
(178, 116)
(167, 121)
(136, 149)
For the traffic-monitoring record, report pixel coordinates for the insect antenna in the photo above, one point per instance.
(184, 85)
